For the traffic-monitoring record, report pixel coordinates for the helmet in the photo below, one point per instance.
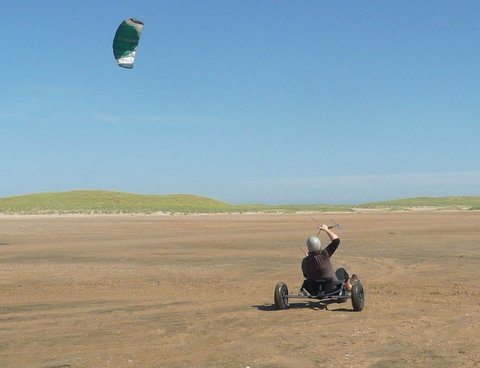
(314, 244)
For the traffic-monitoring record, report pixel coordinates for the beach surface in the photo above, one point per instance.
(197, 291)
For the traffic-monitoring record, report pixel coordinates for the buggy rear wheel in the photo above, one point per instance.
(358, 296)
(280, 296)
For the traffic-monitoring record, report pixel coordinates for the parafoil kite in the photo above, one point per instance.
(126, 41)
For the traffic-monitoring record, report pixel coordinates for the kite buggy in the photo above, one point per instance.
(338, 295)
(321, 281)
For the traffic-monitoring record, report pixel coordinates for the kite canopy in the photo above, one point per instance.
(126, 41)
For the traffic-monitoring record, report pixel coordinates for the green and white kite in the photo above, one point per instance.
(126, 41)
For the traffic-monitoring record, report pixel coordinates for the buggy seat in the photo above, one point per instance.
(319, 287)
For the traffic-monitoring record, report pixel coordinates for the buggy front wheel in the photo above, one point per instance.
(358, 297)
(281, 296)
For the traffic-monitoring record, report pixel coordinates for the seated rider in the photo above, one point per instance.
(317, 265)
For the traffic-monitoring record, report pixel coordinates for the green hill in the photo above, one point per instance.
(108, 202)
(93, 201)
(462, 202)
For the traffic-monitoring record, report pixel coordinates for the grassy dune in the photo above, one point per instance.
(93, 201)
(463, 202)
(108, 202)
(86, 201)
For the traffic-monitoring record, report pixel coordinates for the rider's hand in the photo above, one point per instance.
(323, 227)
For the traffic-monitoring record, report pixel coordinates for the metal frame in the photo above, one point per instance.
(318, 297)
(338, 294)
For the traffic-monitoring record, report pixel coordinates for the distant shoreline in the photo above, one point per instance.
(259, 213)
(101, 202)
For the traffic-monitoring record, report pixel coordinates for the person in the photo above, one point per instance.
(317, 265)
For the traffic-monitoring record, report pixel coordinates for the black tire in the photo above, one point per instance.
(358, 297)
(281, 291)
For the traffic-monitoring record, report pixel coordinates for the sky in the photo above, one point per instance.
(243, 101)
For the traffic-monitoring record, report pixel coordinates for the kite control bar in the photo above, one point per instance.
(330, 227)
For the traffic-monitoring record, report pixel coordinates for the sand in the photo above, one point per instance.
(197, 291)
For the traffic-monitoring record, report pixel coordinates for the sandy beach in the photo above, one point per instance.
(197, 291)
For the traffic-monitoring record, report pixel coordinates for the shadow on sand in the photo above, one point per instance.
(272, 307)
(311, 305)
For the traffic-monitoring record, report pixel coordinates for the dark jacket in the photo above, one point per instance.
(317, 265)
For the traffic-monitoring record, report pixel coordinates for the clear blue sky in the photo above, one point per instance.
(243, 101)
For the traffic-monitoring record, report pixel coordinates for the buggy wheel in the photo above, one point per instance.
(280, 296)
(358, 296)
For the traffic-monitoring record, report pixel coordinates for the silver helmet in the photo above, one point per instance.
(314, 244)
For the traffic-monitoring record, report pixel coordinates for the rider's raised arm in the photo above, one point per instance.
(329, 232)
(332, 247)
